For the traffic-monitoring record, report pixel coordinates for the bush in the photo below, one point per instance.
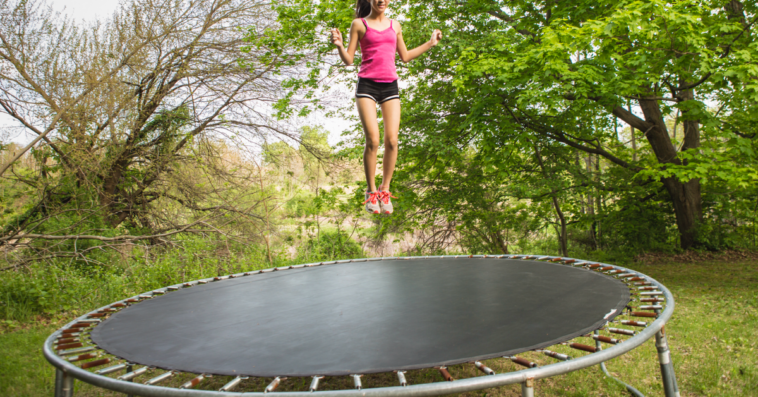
(329, 246)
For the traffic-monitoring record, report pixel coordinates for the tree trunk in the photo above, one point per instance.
(685, 196)
(562, 236)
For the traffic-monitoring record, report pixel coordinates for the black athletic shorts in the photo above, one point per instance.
(379, 92)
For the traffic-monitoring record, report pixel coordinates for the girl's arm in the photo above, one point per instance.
(357, 30)
(407, 56)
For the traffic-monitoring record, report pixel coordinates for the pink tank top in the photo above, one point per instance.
(378, 48)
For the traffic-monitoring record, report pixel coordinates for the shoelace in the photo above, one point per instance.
(372, 198)
(385, 197)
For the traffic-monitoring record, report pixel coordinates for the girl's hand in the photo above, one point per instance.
(436, 37)
(337, 37)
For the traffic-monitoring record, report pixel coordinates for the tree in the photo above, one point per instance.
(123, 105)
(513, 71)
(564, 70)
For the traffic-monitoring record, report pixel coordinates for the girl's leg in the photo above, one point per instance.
(367, 113)
(391, 117)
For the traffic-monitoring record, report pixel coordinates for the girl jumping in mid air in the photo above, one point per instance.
(379, 37)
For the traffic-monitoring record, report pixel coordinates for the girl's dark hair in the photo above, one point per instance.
(362, 8)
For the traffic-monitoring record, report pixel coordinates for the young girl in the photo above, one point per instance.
(379, 37)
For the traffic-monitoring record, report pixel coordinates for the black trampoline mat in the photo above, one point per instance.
(363, 317)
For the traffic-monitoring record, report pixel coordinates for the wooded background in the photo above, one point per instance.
(174, 129)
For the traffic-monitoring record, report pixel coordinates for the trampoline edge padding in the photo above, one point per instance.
(364, 317)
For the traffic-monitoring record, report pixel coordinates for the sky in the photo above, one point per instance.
(89, 10)
(92, 10)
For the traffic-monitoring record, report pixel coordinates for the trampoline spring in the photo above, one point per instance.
(273, 385)
(445, 374)
(233, 383)
(314, 383)
(81, 357)
(62, 340)
(220, 278)
(132, 300)
(357, 381)
(556, 259)
(651, 307)
(133, 374)
(172, 288)
(194, 382)
(605, 339)
(579, 346)
(643, 283)
(653, 288)
(594, 266)
(159, 292)
(108, 310)
(118, 304)
(97, 314)
(544, 258)
(627, 275)
(621, 331)
(634, 323)
(145, 296)
(570, 261)
(616, 271)
(65, 346)
(604, 268)
(521, 361)
(559, 356)
(487, 370)
(202, 281)
(111, 370)
(651, 299)
(86, 322)
(401, 378)
(96, 363)
(651, 293)
(636, 279)
(70, 332)
(187, 285)
(76, 351)
(644, 314)
(160, 378)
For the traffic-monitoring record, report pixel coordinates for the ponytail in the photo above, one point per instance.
(362, 8)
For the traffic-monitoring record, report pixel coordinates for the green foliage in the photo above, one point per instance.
(329, 246)
(58, 286)
(511, 76)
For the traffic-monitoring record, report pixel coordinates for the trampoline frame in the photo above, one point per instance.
(66, 371)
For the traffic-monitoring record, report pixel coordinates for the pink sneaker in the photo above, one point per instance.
(384, 202)
(372, 202)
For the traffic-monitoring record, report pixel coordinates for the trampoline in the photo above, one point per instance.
(364, 316)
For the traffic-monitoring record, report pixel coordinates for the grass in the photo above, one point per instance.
(713, 336)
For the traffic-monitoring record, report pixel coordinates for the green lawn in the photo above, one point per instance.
(713, 336)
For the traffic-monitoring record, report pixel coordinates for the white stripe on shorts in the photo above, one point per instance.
(365, 96)
(390, 97)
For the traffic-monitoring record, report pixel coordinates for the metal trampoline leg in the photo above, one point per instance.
(58, 383)
(670, 387)
(129, 368)
(64, 384)
(527, 388)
